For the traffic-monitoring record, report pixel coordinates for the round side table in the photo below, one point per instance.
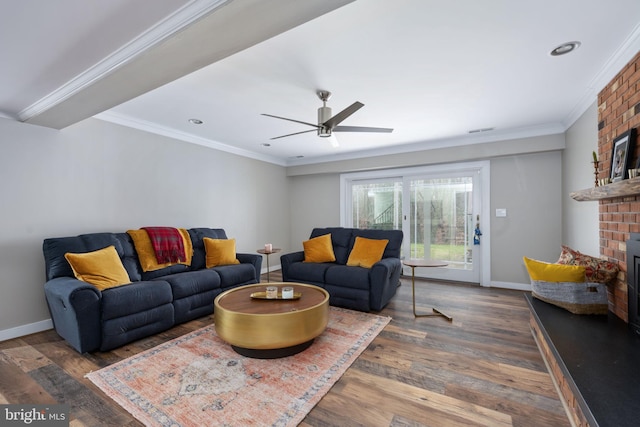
(413, 263)
(267, 253)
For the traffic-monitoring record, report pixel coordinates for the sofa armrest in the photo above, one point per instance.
(384, 277)
(287, 259)
(75, 309)
(254, 259)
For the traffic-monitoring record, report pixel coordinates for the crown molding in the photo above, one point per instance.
(183, 17)
(459, 141)
(616, 62)
(123, 120)
(493, 136)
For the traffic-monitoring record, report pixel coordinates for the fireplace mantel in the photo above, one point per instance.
(624, 188)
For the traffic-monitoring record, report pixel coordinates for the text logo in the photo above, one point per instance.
(34, 415)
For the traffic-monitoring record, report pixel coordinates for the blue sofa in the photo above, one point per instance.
(357, 288)
(90, 319)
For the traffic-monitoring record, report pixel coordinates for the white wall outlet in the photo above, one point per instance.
(501, 213)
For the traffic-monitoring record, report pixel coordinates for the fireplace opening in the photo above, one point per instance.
(633, 280)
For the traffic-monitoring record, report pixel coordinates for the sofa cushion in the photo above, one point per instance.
(189, 283)
(351, 298)
(347, 277)
(319, 249)
(102, 268)
(219, 252)
(194, 306)
(147, 255)
(393, 248)
(308, 272)
(547, 272)
(129, 257)
(236, 275)
(366, 252)
(198, 262)
(134, 298)
(140, 324)
(55, 248)
(341, 239)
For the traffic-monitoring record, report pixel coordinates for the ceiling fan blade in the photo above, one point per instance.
(291, 134)
(291, 120)
(361, 129)
(338, 118)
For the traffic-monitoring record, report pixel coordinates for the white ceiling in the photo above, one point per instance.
(432, 70)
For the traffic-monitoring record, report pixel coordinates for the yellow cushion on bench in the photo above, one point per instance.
(547, 272)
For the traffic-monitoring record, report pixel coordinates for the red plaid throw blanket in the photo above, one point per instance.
(167, 244)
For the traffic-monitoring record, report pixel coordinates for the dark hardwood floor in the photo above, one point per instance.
(482, 369)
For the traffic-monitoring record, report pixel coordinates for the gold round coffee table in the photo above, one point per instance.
(270, 328)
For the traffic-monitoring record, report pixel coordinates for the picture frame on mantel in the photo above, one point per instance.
(621, 155)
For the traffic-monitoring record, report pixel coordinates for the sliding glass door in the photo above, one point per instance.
(439, 209)
(440, 224)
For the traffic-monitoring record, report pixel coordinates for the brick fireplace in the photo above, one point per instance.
(618, 112)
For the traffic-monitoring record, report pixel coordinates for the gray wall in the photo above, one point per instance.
(529, 187)
(97, 176)
(315, 202)
(580, 220)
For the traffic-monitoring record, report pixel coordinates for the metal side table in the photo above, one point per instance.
(413, 263)
(267, 253)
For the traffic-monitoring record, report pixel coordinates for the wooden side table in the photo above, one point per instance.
(413, 263)
(267, 253)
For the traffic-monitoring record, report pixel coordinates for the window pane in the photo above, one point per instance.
(377, 205)
(441, 222)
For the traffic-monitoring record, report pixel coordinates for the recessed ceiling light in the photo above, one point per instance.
(565, 48)
(195, 121)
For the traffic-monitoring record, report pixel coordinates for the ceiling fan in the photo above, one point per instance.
(328, 124)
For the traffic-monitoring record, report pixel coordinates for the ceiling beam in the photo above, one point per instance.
(227, 29)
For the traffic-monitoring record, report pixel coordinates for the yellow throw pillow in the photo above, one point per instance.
(547, 272)
(102, 268)
(366, 252)
(147, 255)
(220, 252)
(319, 249)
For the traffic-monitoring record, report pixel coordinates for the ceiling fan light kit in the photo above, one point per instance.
(324, 114)
(327, 124)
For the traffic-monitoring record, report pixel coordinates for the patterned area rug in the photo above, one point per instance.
(198, 380)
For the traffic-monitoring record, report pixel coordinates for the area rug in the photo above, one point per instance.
(198, 380)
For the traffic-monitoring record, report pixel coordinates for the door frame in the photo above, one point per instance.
(481, 167)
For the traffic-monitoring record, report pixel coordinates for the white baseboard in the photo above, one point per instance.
(510, 285)
(20, 331)
(272, 268)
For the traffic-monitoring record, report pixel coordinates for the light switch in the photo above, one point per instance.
(501, 212)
